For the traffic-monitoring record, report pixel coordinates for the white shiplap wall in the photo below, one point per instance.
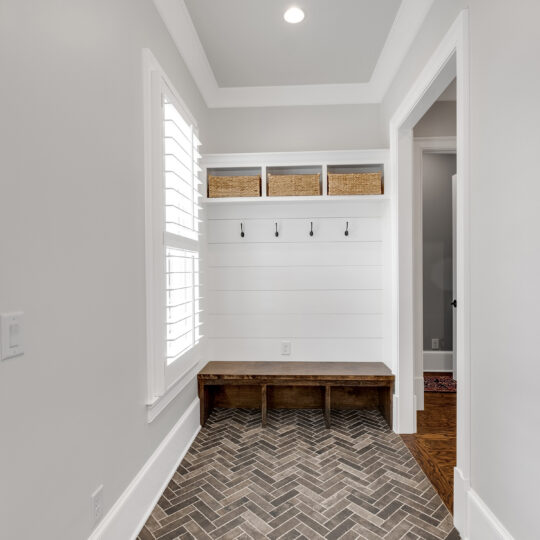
(326, 294)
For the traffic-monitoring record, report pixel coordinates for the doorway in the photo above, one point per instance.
(434, 259)
(434, 443)
(448, 61)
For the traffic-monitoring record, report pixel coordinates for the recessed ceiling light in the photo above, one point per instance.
(294, 15)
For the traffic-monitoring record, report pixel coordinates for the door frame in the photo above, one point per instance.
(450, 59)
(454, 276)
(422, 146)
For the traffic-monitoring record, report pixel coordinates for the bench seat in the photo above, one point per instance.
(296, 385)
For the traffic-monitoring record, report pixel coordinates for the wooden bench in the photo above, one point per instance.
(296, 385)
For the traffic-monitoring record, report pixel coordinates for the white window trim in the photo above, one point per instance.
(159, 393)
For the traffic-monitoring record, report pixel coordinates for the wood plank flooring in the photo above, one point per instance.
(434, 444)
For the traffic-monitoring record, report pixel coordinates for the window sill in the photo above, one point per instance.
(159, 404)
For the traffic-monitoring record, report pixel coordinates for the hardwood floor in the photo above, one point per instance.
(434, 444)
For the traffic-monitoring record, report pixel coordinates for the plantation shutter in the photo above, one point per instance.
(181, 236)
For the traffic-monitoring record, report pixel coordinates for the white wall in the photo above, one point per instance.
(287, 129)
(437, 171)
(505, 258)
(439, 121)
(72, 409)
(324, 294)
(505, 254)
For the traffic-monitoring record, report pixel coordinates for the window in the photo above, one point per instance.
(172, 234)
(182, 293)
(180, 150)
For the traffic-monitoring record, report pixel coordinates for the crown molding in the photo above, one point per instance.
(284, 96)
(176, 17)
(409, 18)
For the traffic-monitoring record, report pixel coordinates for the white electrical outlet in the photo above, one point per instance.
(435, 343)
(97, 505)
(285, 348)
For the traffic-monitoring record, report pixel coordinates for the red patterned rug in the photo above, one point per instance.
(439, 383)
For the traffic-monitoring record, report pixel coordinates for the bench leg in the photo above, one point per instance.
(327, 399)
(385, 404)
(264, 404)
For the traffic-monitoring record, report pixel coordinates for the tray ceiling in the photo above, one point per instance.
(249, 44)
(242, 53)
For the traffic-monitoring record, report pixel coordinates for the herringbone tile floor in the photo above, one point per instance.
(297, 479)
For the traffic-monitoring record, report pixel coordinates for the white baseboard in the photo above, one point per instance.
(130, 512)
(472, 517)
(395, 410)
(415, 416)
(419, 393)
(438, 361)
(400, 424)
(461, 489)
(483, 523)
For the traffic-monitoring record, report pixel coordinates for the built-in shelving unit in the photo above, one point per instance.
(322, 163)
(233, 171)
(312, 199)
(314, 271)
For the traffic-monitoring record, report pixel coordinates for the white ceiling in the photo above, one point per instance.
(248, 43)
(242, 54)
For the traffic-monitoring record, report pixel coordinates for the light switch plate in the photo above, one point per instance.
(11, 335)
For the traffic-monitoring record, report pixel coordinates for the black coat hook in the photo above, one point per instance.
(242, 234)
(311, 231)
(276, 234)
(347, 229)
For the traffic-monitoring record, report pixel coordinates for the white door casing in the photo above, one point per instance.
(449, 60)
(454, 275)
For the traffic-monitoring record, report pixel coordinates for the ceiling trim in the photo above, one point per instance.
(176, 17)
(409, 18)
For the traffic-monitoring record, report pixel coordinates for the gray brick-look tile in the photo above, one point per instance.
(295, 479)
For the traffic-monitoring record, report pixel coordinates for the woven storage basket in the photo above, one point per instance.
(234, 186)
(355, 184)
(284, 185)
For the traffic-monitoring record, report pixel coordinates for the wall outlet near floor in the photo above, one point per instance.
(285, 348)
(97, 505)
(435, 343)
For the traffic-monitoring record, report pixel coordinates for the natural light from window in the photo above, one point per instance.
(181, 171)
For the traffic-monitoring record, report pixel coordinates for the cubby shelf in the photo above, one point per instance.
(319, 198)
(297, 163)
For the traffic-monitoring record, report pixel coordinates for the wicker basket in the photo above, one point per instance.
(285, 185)
(234, 186)
(355, 184)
